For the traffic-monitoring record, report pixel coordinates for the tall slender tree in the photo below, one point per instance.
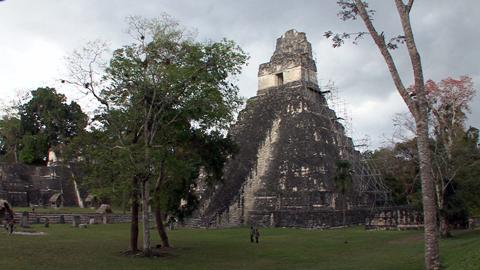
(415, 100)
(343, 182)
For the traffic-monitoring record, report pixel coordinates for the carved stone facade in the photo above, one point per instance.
(290, 141)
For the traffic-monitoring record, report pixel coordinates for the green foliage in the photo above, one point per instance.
(399, 167)
(34, 149)
(45, 121)
(199, 152)
(105, 170)
(343, 176)
(466, 151)
(166, 107)
(10, 136)
(47, 112)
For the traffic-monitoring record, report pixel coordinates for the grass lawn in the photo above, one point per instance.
(100, 246)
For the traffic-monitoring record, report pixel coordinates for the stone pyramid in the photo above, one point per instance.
(289, 141)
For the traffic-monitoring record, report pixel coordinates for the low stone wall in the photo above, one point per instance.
(317, 218)
(396, 218)
(294, 218)
(68, 218)
(384, 218)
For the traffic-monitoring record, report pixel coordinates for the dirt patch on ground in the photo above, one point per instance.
(29, 233)
(155, 252)
(408, 239)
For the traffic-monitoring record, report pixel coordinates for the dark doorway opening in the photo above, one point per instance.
(279, 78)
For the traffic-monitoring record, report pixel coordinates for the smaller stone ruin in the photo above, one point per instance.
(91, 201)
(104, 209)
(56, 201)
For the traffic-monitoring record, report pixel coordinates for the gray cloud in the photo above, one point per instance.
(36, 35)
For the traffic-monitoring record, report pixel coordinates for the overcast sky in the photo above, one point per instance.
(36, 35)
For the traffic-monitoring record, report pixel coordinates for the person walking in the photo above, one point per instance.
(257, 235)
(9, 218)
(252, 234)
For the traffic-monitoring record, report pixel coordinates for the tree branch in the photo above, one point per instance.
(409, 5)
(382, 46)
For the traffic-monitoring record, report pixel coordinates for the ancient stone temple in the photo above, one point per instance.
(25, 185)
(290, 142)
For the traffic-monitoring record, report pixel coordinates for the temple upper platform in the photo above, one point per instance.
(292, 61)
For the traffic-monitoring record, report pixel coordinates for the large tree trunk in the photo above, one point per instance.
(15, 154)
(432, 260)
(146, 217)
(158, 213)
(134, 224)
(161, 227)
(124, 201)
(418, 107)
(442, 216)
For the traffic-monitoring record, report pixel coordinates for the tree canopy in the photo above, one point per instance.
(45, 120)
(166, 102)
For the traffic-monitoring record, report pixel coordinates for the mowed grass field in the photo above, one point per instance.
(101, 246)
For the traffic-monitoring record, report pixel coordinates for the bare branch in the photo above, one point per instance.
(382, 46)
(409, 5)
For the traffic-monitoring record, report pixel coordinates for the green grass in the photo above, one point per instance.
(100, 246)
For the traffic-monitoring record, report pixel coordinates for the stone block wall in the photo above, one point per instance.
(68, 218)
(400, 217)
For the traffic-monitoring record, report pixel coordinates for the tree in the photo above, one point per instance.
(194, 152)
(36, 123)
(10, 129)
(343, 182)
(107, 170)
(448, 103)
(10, 138)
(467, 158)
(398, 164)
(161, 87)
(415, 100)
(47, 121)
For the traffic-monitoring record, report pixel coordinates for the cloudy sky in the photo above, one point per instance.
(36, 35)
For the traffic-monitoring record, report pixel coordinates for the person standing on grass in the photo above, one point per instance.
(257, 235)
(252, 233)
(9, 217)
(171, 222)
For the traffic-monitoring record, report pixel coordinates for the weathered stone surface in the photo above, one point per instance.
(104, 209)
(400, 217)
(290, 141)
(24, 220)
(76, 221)
(291, 61)
(24, 185)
